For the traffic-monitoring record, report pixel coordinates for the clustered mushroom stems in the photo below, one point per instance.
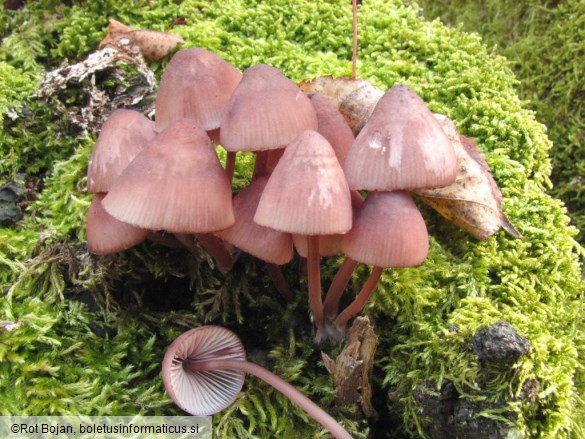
(216, 97)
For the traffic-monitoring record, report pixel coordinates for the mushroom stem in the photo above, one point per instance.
(216, 248)
(280, 282)
(340, 281)
(314, 280)
(355, 307)
(312, 409)
(260, 165)
(230, 164)
(187, 241)
(355, 40)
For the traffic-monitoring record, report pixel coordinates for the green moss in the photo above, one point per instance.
(93, 329)
(545, 43)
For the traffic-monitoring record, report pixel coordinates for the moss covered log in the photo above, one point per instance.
(82, 334)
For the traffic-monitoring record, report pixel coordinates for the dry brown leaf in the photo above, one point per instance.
(355, 98)
(473, 202)
(152, 44)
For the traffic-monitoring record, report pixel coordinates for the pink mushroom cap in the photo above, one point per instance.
(122, 137)
(177, 184)
(307, 192)
(401, 146)
(389, 231)
(266, 111)
(196, 84)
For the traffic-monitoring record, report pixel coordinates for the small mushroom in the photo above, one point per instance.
(197, 85)
(267, 244)
(389, 231)
(266, 112)
(307, 194)
(401, 147)
(178, 185)
(204, 368)
(332, 126)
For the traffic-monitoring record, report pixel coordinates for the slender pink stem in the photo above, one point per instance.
(312, 409)
(355, 307)
(216, 248)
(187, 241)
(230, 164)
(280, 282)
(314, 280)
(355, 40)
(340, 281)
(260, 165)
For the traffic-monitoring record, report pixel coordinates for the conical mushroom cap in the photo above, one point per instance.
(207, 392)
(123, 135)
(389, 231)
(177, 184)
(402, 146)
(329, 245)
(266, 111)
(307, 192)
(264, 243)
(105, 234)
(332, 126)
(196, 84)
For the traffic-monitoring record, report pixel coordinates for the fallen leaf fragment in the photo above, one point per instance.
(352, 369)
(152, 44)
(91, 116)
(473, 202)
(355, 98)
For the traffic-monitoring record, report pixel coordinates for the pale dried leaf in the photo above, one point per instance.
(152, 44)
(355, 98)
(474, 201)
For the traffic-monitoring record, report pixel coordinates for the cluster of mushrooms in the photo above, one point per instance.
(163, 180)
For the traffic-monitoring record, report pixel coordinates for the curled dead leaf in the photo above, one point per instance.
(473, 202)
(152, 44)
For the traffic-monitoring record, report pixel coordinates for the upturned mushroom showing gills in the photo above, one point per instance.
(203, 371)
(307, 194)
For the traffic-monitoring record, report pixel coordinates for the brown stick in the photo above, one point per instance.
(355, 40)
